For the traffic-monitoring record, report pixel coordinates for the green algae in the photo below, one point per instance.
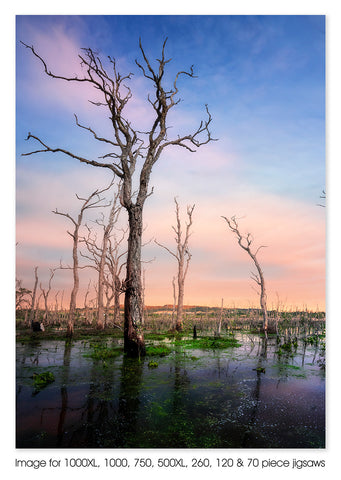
(158, 350)
(210, 343)
(41, 380)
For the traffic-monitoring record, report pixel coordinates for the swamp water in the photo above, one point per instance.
(257, 395)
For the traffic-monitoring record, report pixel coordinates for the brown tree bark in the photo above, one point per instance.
(133, 304)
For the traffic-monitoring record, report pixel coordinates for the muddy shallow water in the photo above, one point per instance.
(246, 397)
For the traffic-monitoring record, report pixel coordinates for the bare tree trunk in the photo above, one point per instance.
(113, 217)
(34, 292)
(143, 296)
(93, 201)
(183, 257)
(99, 257)
(174, 301)
(100, 306)
(220, 317)
(181, 293)
(117, 293)
(259, 279)
(245, 242)
(133, 304)
(75, 288)
(46, 294)
(37, 309)
(130, 146)
(86, 306)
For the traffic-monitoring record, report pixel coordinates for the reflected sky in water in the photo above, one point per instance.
(246, 397)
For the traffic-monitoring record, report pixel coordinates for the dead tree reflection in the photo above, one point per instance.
(63, 392)
(260, 370)
(126, 422)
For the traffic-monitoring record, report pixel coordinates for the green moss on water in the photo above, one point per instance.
(159, 336)
(287, 347)
(41, 380)
(153, 364)
(158, 350)
(313, 339)
(210, 343)
(26, 335)
(100, 351)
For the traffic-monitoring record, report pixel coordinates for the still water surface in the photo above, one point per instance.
(246, 397)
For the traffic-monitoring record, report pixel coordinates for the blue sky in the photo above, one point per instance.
(263, 80)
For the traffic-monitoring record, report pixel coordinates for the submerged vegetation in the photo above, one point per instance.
(199, 331)
(232, 391)
(41, 380)
(101, 351)
(198, 388)
(208, 343)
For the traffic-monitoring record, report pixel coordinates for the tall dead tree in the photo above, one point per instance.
(34, 293)
(245, 242)
(93, 201)
(126, 146)
(183, 257)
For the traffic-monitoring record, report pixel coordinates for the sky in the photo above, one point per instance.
(263, 79)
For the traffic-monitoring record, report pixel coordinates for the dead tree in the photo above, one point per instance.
(107, 229)
(174, 300)
(245, 242)
(23, 296)
(34, 292)
(116, 261)
(45, 294)
(128, 145)
(220, 317)
(102, 253)
(106, 259)
(183, 257)
(86, 306)
(93, 201)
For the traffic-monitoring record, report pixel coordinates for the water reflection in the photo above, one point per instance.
(252, 397)
(260, 370)
(129, 400)
(63, 392)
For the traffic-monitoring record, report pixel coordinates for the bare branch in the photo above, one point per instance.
(70, 154)
(245, 242)
(166, 248)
